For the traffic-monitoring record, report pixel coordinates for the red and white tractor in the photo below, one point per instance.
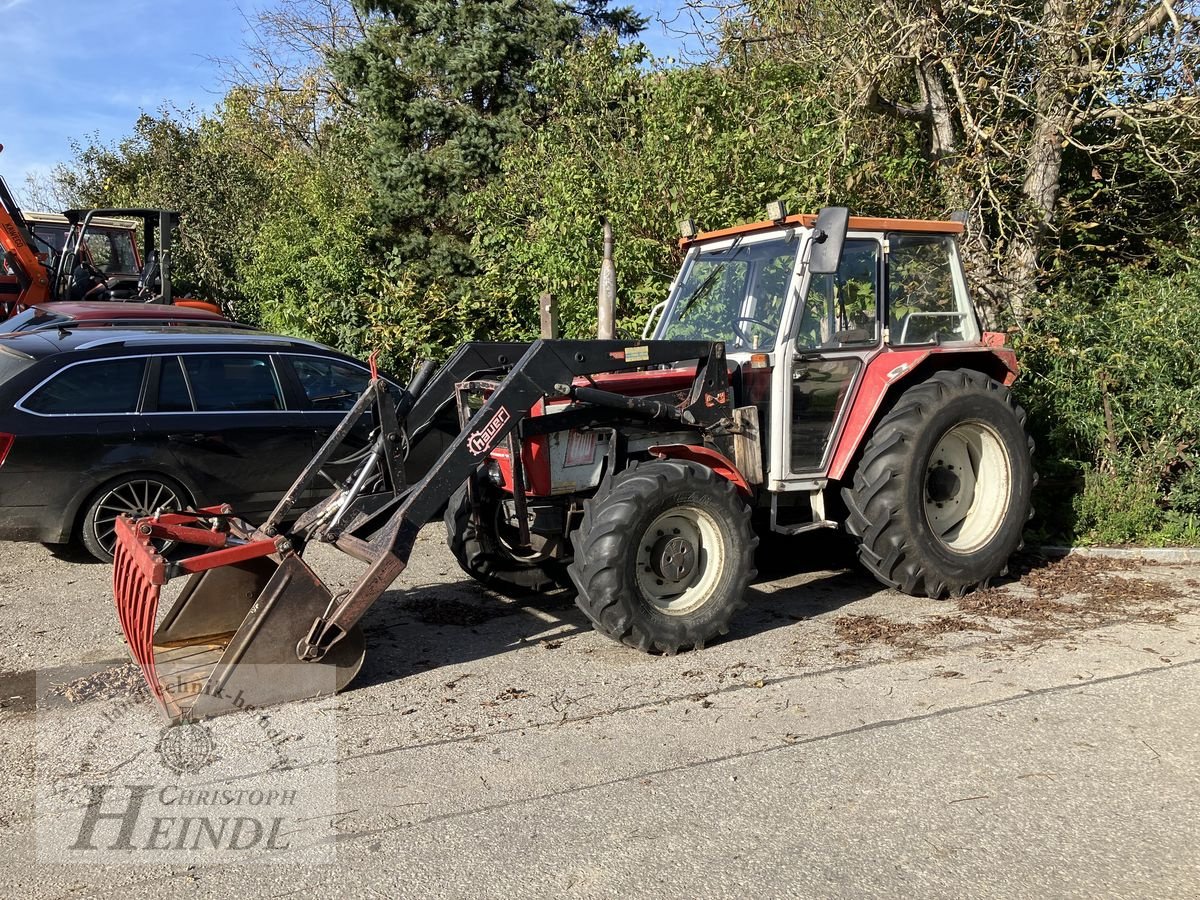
(805, 372)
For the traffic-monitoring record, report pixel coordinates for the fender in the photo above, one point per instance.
(885, 373)
(718, 462)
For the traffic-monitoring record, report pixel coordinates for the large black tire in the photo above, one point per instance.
(663, 556)
(921, 527)
(483, 556)
(138, 494)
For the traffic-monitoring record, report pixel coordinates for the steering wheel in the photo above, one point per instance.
(86, 280)
(743, 336)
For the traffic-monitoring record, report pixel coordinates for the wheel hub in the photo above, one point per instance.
(673, 558)
(943, 484)
(968, 483)
(679, 559)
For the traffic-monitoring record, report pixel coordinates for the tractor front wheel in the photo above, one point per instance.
(940, 496)
(484, 545)
(663, 556)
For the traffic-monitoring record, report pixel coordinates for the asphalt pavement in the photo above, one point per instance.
(1041, 739)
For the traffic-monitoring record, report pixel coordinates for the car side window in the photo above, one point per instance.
(330, 385)
(104, 386)
(233, 382)
(173, 393)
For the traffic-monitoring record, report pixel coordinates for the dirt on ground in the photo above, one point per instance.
(1047, 599)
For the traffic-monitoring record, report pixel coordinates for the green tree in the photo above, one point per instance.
(1010, 95)
(445, 87)
(646, 146)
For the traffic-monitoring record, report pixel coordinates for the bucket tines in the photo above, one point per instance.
(229, 640)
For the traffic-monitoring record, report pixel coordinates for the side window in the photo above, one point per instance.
(233, 382)
(105, 386)
(100, 248)
(923, 306)
(329, 385)
(173, 393)
(839, 310)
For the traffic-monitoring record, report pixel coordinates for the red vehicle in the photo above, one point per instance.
(109, 313)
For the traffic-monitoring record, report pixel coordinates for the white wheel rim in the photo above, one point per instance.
(138, 498)
(680, 558)
(968, 487)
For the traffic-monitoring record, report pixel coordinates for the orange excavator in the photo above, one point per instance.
(25, 277)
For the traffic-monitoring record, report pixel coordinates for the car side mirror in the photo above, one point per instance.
(829, 237)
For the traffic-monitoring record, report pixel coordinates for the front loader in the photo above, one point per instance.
(804, 373)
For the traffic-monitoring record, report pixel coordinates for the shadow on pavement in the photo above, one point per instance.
(432, 627)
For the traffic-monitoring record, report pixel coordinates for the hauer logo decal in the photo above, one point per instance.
(480, 441)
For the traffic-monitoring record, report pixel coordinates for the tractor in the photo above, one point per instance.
(805, 372)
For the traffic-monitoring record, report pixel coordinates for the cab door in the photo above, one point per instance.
(835, 332)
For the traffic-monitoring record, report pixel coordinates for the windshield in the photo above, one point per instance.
(31, 319)
(112, 250)
(735, 294)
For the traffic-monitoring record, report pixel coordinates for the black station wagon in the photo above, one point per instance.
(95, 424)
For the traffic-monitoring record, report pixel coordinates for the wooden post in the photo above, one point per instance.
(607, 293)
(548, 309)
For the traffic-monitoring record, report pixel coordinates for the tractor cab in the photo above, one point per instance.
(811, 309)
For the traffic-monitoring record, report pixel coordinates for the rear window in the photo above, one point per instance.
(233, 382)
(104, 386)
(11, 363)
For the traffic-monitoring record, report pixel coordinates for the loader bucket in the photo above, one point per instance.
(229, 641)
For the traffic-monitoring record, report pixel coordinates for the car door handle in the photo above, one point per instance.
(191, 437)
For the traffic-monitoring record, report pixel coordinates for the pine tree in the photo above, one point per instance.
(446, 85)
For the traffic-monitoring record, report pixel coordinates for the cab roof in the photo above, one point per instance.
(50, 218)
(807, 220)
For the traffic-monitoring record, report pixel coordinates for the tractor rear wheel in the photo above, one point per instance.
(485, 552)
(663, 556)
(940, 496)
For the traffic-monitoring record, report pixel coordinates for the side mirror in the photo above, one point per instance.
(829, 236)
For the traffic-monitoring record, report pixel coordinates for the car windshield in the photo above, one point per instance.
(735, 294)
(33, 318)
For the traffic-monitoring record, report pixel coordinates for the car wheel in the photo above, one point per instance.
(135, 495)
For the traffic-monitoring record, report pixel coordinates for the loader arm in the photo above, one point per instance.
(16, 240)
(545, 370)
(252, 604)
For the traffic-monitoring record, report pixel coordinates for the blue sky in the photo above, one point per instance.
(78, 68)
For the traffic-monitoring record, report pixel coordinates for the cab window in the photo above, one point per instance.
(735, 294)
(924, 306)
(840, 310)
